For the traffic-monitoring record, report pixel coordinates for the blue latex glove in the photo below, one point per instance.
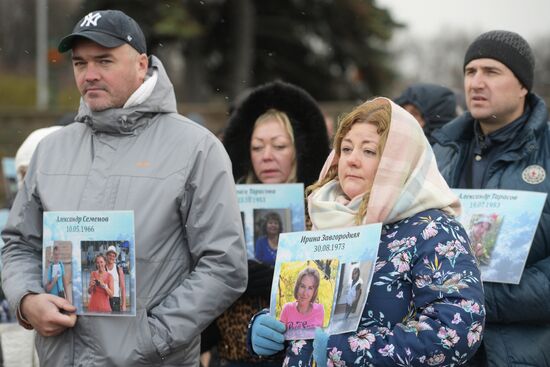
(267, 335)
(320, 347)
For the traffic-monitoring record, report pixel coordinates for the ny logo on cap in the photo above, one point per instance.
(90, 19)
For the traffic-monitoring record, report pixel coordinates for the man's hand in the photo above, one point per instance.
(48, 314)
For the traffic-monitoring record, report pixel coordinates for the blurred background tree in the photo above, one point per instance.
(342, 52)
(216, 49)
(335, 50)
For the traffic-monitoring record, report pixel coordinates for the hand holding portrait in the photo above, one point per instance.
(49, 315)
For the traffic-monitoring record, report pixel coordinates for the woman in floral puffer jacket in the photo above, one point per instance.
(425, 303)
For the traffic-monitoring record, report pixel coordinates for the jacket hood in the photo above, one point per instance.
(127, 120)
(310, 132)
(436, 103)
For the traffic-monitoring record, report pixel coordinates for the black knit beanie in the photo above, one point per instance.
(507, 47)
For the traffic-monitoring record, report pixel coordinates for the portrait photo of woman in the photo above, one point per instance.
(351, 295)
(271, 225)
(354, 291)
(305, 312)
(100, 287)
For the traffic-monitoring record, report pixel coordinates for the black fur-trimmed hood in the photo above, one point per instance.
(310, 132)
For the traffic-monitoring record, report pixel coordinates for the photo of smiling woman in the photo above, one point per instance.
(100, 287)
(269, 224)
(306, 312)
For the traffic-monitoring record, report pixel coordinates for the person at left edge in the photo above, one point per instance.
(130, 150)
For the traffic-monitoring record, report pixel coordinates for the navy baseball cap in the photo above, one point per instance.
(109, 28)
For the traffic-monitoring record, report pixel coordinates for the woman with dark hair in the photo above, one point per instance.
(276, 134)
(265, 249)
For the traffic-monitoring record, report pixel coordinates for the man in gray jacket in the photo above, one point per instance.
(129, 150)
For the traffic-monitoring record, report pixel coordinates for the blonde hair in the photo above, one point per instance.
(375, 111)
(283, 119)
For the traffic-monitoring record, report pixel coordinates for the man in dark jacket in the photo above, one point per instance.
(503, 142)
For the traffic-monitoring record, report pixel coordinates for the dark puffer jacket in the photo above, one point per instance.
(518, 316)
(436, 103)
(312, 148)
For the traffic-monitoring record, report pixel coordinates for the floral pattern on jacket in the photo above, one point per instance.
(425, 304)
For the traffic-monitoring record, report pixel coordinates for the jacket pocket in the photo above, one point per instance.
(146, 351)
(127, 342)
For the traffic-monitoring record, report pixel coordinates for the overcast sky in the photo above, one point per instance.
(530, 18)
